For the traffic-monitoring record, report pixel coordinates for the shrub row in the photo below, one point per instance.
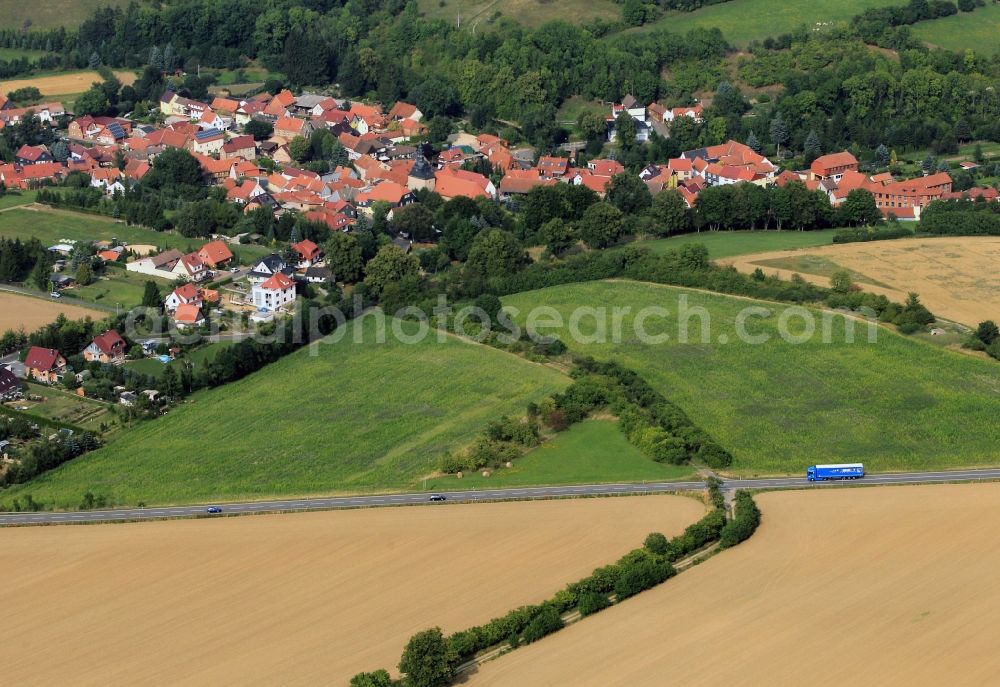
(744, 523)
(861, 234)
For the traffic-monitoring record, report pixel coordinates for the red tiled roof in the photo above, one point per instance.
(279, 282)
(110, 343)
(43, 359)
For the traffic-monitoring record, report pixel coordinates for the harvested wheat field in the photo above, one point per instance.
(957, 278)
(883, 586)
(304, 599)
(31, 313)
(62, 84)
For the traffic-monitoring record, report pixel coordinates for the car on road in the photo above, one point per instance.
(55, 294)
(438, 497)
(234, 270)
(213, 509)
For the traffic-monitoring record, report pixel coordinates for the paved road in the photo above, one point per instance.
(339, 502)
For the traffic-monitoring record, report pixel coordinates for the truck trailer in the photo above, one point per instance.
(821, 473)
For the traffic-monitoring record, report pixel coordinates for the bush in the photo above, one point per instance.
(656, 543)
(591, 603)
(715, 456)
(743, 524)
(642, 576)
(545, 623)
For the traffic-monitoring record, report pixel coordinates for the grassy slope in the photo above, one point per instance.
(354, 417)
(49, 226)
(779, 407)
(726, 244)
(977, 30)
(527, 12)
(744, 20)
(50, 13)
(593, 451)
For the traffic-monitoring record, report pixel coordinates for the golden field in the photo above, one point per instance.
(31, 313)
(62, 84)
(304, 599)
(957, 278)
(882, 586)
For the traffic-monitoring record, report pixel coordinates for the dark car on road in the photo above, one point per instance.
(438, 497)
(213, 509)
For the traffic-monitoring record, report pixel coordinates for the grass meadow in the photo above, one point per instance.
(726, 244)
(355, 417)
(742, 21)
(591, 452)
(51, 13)
(895, 404)
(977, 30)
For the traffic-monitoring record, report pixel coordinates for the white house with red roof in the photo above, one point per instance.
(274, 294)
(188, 315)
(215, 254)
(185, 294)
(309, 254)
(190, 266)
(44, 364)
(108, 347)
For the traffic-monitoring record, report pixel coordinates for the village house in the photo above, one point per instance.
(207, 142)
(268, 267)
(452, 183)
(215, 254)
(185, 294)
(239, 147)
(309, 254)
(161, 265)
(108, 347)
(290, 127)
(188, 315)
(44, 364)
(273, 294)
(30, 155)
(10, 385)
(190, 267)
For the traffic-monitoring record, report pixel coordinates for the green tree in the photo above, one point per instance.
(881, 156)
(841, 281)
(92, 102)
(601, 225)
(495, 253)
(671, 213)
(41, 276)
(84, 275)
(860, 208)
(628, 193)
(300, 149)
(779, 132)
(987, 332)
(416, 221)
(389, 265)
(753, 143)
(427, 660)
(260, 130)
(343, 257)
(812, 148)
(557, 235)
(377, 678)
(625, 128)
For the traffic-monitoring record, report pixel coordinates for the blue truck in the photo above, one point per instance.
(821, 473)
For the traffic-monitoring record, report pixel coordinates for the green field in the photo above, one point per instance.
(50, 13)
(977, 30)
(742, 21)
(355, 417)
(591, 452)
(49, 226)
(815, 264)
(895, 404)
(16, 53)
(726, 244)
(12, 199)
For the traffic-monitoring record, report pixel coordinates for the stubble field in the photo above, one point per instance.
(304, 599)
(957, 278)
(31, 313)
(66, 83)
(886, 586)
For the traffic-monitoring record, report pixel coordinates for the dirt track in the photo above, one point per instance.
(31, 313)
(957, 278)
(884, 586)
(305, 599)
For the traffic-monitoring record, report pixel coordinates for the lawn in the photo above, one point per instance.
(354, 417)
(51, 226)
(726, 244)
(51, 13)
(816, 264)
(977, 30)
(12, 199)
(895, 404)
(742, 21)
(118, 288)
(591, 452)
(17, 53)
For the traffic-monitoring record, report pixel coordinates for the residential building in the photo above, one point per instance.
(108, 347)
(44, 364)
(273, 294)
(833, 166)
(215, 254)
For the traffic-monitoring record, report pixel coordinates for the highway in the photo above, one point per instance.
(514, 494)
